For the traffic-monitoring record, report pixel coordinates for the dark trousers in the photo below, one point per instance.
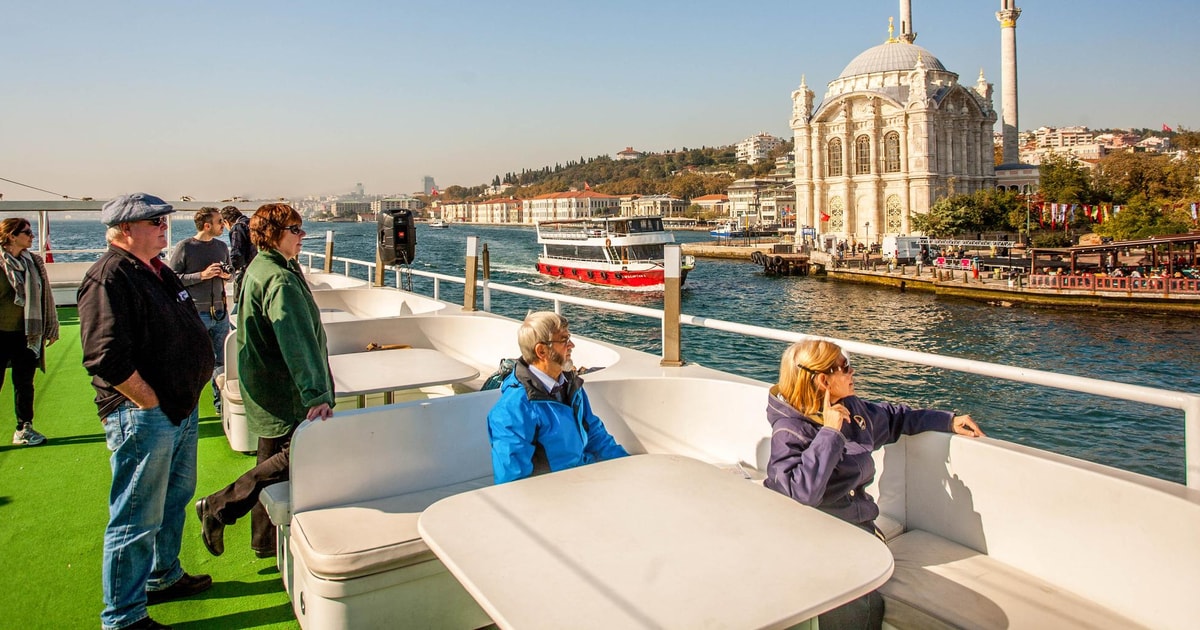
(864, 613)
(14, 352)
(241, 496)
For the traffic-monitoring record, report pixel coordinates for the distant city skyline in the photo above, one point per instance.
(274, 99)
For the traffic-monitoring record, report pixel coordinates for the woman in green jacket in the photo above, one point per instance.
(283, 367)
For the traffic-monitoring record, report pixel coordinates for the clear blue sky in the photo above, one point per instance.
(272, 98)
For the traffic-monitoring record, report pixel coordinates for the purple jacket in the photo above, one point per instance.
(828, 469)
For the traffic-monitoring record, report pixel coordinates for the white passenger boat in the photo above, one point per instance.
(606, 251)
(438, 224)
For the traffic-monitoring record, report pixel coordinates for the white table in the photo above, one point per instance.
(649, 541)
(362, 373)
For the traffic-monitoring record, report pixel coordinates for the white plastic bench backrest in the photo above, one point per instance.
(1124, 540)
(480, 341)
(379, 452)
(231, 356)
(721, 422)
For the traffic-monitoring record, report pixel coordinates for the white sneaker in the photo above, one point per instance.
(27, 436)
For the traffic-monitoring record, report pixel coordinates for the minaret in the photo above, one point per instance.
(1007, 15)
(906, 31)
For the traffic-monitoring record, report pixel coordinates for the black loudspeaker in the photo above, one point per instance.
(397, 237)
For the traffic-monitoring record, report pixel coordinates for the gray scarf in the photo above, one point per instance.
(27, 292)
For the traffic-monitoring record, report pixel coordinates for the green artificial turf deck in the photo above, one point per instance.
(54, 506)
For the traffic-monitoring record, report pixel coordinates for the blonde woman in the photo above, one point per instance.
(28, 321)
(822, 436)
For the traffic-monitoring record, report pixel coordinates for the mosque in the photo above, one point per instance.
(894, 132)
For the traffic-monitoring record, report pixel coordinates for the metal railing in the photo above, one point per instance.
(1188, 403)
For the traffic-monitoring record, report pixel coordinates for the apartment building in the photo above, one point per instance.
(659, 205)
(756, 148)
(569, 205)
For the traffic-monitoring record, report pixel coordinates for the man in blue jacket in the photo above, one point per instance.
(543, 421)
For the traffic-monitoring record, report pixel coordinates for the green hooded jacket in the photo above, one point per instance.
(283, 362)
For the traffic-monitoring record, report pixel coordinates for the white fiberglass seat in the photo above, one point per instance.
(233, 412)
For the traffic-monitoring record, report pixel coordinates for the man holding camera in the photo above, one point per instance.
(202, 264)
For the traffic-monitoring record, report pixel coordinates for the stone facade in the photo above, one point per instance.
(893, 133)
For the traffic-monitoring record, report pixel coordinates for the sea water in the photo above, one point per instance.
(1152, 350)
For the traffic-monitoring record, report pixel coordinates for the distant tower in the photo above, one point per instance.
(907, 34)
(427, 185)
(359, 190)
(1007, 15)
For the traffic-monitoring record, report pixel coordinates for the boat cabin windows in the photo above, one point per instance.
(636, 226)
(575, 252)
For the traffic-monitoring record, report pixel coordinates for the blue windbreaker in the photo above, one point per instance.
(532, 432)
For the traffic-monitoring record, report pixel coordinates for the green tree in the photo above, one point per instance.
(1142, 218)
(1065, 180)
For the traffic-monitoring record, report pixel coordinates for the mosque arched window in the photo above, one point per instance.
(891, 152)
(862, 155)
(835, 157)
(837, 214)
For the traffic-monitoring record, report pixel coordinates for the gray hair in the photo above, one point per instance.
(539, 327)
(112, 233)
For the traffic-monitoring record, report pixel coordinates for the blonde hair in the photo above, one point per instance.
(798, 369)
(539, 327)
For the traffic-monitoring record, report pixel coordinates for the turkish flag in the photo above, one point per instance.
(434, 193)
(1166, 128)
(824, 217)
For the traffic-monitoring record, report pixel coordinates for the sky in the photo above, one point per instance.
(272, 98)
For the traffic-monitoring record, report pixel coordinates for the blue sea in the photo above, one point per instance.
(1152, 350)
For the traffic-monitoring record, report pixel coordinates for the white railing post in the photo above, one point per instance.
(672, 284)
(1191, 441)
(329, 253)
(471, 273)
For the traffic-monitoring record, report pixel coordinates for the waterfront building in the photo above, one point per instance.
(745, 201)
(569, 205)
(500, 210)
(396, 203)
(894, 132)
(715, 205)
(1022, 178)
(658, 205)
(756, 148)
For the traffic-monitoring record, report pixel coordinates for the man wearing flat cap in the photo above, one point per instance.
(150, 358)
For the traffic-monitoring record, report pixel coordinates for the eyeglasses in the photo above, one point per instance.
(564, 341)
(294, 229)
(157, 221)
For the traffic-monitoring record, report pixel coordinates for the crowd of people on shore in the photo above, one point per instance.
(153, 334)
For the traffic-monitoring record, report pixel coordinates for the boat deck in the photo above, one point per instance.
(54, 506)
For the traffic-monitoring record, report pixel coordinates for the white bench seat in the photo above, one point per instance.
(360, 539)
(941, 584)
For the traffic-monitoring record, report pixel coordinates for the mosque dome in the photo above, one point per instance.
(890, 57)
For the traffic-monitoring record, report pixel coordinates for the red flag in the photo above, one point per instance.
(824, 217)
(50, 257)
(587, 186)
(434, 193)
(1166, 128)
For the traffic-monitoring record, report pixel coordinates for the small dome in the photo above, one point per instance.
(890, 57)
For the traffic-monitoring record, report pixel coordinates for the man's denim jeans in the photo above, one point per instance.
(153, 480)
(217, 331)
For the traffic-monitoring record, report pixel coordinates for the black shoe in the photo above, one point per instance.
(212, 531)
(265, 553)
(146, 624)
(185, 586)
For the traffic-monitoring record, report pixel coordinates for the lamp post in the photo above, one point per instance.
(868, 225)
(1028, 240)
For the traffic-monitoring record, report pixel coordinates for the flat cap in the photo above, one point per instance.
(133, 207)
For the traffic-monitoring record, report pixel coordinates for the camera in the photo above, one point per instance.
(226, 267)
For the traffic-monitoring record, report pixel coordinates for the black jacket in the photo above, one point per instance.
(241, 248)
(131, 320)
